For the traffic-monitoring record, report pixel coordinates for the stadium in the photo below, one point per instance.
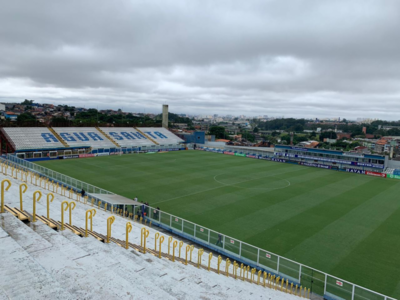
(139, 213)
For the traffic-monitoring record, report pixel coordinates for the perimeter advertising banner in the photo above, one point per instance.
(315, 165)
(103, 154)
(350, 170)
(229, 153)
(393, 176)
(86, 155)
(70, 156)
(278, 160)
(376, 174)
(240, 154)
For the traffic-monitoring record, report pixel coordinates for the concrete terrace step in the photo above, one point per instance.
(83, 275)
(22, 277)
(133, 267)
(186, 279)
(175, 284)
(112, 271)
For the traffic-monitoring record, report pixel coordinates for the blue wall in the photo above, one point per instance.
(198, 137)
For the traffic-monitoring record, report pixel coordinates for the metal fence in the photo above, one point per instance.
(320, 283)
(53, 175)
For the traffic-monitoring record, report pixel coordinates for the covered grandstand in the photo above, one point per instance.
(161, 136)
(73, 142)
(28, 138)
(127, 136)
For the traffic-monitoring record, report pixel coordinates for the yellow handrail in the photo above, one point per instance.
(62, 213)
(128, 229)
(48, 203)
(174, 245)
(156, 236)
(90, 213)
(34, 203)
(191, 251)
(199, 254)
(161, 241)
(235, 267)
(227, 264)
(253, 271)
(71, 207)
(145, 236)
(180, 246)
(2, 193)
(110, 221)
(187, 251)
(169, 243)
(209, 260)
(22, 185)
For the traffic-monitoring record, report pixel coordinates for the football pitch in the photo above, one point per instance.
(347, 225)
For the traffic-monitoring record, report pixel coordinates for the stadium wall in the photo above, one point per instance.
(260, 154)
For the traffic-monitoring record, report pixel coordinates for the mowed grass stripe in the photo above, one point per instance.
(383, 261)
(326, 219)
(334, 244)
(276, 207)
(204, 195)
(220, 208)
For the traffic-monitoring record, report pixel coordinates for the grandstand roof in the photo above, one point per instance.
(115, 199)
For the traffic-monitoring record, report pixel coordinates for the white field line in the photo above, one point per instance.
(218, 187)
(241, 187)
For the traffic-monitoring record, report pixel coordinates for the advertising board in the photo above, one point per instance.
(376, 174)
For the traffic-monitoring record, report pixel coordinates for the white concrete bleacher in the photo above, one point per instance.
(389, 171)
(31, 138)
(83, 136)
(161, 135)
(38, 262)
(127, 136)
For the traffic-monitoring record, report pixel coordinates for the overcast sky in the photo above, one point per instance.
(293, 58)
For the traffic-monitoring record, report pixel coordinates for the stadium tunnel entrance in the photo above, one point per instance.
(116, 202)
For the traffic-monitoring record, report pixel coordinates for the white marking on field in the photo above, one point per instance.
(261, 188)
(224, 185)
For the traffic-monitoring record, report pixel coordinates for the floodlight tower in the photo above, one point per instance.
(165, 115)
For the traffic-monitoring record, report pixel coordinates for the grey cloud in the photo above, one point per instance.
(296, 58)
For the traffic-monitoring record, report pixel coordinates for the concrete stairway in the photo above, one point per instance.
(58, 137)
(108, 137)
(141, 132)
(22, 277)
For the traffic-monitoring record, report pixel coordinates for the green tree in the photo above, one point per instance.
(218, 131)
(25, 118)
(248, 136)
(27, 102)
(59, 121)
(327, 134)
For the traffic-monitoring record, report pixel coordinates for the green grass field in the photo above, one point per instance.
(347, 225)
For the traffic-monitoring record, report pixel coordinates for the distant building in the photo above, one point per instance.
(308, 144)
(341, 135)
(364, 130)
(197, 137)
(331, 159)
(10, 115)
(330, 141)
